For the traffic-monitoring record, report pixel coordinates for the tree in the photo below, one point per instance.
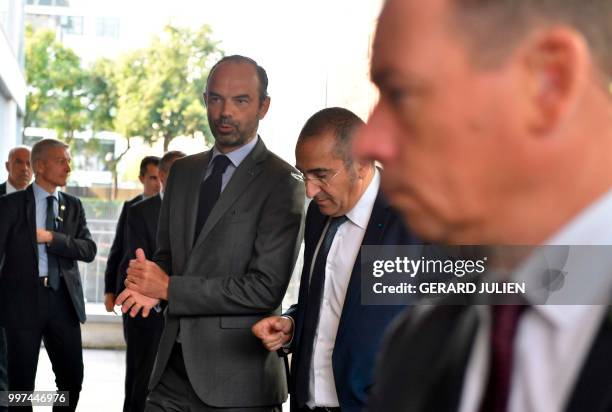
(56, 85)
(164, 93)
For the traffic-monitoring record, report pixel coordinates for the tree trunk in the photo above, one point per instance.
(167, 140)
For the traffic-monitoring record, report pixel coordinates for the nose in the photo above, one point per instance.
(312, 189)
(375, 141)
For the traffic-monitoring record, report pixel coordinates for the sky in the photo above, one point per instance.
(315, 51)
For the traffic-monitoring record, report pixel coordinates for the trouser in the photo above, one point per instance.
(142, 339)
(174, 393)
(58, 327)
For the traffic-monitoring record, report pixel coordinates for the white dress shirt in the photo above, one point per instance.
(339, 266)
(10, 188)
(552, 341)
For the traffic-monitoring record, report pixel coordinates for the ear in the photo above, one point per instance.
(362, 167)
(142, 179)
(6, 164)
(263, 108)
(557, 65)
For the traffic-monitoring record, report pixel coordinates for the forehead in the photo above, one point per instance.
(317, 152)
(151, 169)
(233, 77)
(409, 36)
(21, 154)
(58, 153)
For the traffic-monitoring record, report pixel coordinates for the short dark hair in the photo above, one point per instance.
(342, 123)
(168, 157)
(494, 27)
(261, 73)
(40, 148)
(145, 162)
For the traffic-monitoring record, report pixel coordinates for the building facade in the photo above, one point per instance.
(12, 77)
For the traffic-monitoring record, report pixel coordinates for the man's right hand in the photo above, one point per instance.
(109, 302)
(274, 331)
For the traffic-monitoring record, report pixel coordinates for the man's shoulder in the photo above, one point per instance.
(151, 203)
(2, 189)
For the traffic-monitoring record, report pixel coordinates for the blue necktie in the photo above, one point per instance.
(313, 309)
(52, 263)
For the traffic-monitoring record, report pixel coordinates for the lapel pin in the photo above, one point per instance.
(62, 208)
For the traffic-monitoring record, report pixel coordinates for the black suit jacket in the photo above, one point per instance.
(141, 232)
(2, 189)
(361, 327)
(425, 357)
(113, 276)
(19, 273)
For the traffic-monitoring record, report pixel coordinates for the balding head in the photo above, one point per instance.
(18, 167)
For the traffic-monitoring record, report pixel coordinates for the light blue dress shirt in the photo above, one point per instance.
(40, 196)
(236, 157)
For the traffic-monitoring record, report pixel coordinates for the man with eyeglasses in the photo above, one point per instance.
(43, 233)
(333, 337)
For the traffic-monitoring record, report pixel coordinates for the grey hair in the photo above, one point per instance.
(40, 149)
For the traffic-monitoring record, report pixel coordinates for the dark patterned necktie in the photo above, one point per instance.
(313, 309)
(505, 320)
(52, 263)
(210, 190)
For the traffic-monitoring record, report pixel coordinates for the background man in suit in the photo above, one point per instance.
(43, 233)
(230, 259)
(526, 160)
(19, 170)
(114, 275)
(327, 328)
(142, 334)
(19, 176)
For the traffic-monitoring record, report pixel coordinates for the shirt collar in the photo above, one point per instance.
(360, 213)
(590, 227)
(10, 188)
(41, 194)
(238, 155)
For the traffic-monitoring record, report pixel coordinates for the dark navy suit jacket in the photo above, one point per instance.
(361, 327)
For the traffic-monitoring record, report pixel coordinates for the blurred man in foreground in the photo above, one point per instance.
(494, 127)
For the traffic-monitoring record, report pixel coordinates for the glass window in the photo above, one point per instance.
(44, 2)
(107, 27)
(73, 25)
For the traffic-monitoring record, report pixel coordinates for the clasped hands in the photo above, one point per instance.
(146, 284)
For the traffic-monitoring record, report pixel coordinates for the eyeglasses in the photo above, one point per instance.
(319, 179)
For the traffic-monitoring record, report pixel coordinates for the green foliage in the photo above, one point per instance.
(161, 86)
(56, 85)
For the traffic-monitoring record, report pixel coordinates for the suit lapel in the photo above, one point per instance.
(192, 198)
(373, 235)
(242, 177)
(593, 391)
(31, 218)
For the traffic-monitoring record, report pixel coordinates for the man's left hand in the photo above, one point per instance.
(43, 236)
(134, 302)
(146, 278)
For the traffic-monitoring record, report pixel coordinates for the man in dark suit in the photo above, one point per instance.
(494, 128)
(334, 338)
(19, 170)
(142, 334)
(19, 176)
(43, 233)
(114, 275)
(228, 236)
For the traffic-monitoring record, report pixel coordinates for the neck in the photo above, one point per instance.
(46, 186)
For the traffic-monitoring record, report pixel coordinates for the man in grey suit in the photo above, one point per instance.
(223, 264)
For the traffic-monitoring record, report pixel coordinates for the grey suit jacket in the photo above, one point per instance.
(236, 273)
